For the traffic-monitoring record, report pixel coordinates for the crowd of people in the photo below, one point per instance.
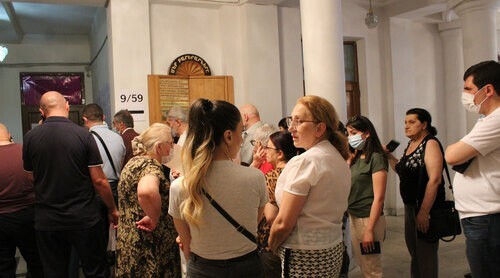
(246, 199)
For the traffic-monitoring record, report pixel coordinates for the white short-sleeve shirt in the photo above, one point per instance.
(477, 190)
(240, 191)
(321, 174)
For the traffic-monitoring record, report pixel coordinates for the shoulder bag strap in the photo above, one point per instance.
(446, 167)
(228, 217)
(107, 152)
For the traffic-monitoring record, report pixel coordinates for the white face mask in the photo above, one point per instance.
(356, 141)
(468, 101)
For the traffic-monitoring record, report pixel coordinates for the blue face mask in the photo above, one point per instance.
(356, 141)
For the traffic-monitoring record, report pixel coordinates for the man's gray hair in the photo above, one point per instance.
(263, 132)
(179, 113)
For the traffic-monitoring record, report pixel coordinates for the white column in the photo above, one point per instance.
(479, 33)
(130, 55)
(451, 37)
(323, 51)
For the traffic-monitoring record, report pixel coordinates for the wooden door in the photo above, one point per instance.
(211, 87)
(352, 99)
(31, 116)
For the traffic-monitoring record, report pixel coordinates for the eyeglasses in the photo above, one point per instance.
(254, 142)
(268, 148)
(296, 122)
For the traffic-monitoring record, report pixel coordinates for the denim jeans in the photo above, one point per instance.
(250, 267)
(482, 237)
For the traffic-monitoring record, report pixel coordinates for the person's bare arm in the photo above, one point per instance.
(101, 186)
(148, 195)
(379, 185)
(270, 213)
(392, 160)
(459, 153)
(290, 209)
(434, 165)
(184, 238)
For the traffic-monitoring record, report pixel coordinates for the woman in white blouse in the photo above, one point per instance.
(312, 194)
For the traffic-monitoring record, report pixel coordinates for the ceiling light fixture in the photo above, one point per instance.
(3, 52)
(371, 19)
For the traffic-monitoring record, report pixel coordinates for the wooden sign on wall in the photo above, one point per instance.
(166, 91)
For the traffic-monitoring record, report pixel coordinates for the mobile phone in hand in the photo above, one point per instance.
(392, 145)
(375, 250)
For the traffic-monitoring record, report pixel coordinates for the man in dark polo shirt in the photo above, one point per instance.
(66, 166)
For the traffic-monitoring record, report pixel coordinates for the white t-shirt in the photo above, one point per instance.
(240, 191)
(477, 190)
(322, 175)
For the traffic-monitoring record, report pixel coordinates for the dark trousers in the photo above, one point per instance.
(55, 249)
(424, 255)
(246, 266)
(17, 230)
(74, 262)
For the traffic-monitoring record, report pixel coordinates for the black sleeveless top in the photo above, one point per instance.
(413, 176)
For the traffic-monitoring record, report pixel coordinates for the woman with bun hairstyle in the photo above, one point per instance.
(212, 246)
(146, 244)
(366, 200)
(421, 185)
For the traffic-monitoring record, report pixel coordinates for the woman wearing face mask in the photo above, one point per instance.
(311, 193)
(421, 187)
(146, 244)
(366, 199)
(212, 245)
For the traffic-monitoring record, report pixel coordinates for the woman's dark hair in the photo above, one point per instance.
(283, 141)
(208, 120)
(372, 142)
(423, 116)
(282, 124)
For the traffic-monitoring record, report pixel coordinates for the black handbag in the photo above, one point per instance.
(444, 220)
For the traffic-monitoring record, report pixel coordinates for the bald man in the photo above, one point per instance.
(17, 200)
(251, 121)
(64, 160)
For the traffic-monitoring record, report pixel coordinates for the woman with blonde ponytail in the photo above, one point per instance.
(311, 193)
(211, 244)
(146, 244)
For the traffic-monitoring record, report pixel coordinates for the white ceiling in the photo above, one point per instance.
(54, 17)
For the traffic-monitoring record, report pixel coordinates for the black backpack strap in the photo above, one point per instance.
(228, 217)
(107, 152)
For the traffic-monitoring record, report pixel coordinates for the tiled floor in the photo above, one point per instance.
(396, 260)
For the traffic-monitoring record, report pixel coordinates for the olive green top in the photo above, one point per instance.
(361, 195)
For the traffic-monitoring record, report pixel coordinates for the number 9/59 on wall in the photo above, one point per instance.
(131, 98)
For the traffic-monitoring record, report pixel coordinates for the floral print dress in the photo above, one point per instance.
(141, 253)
